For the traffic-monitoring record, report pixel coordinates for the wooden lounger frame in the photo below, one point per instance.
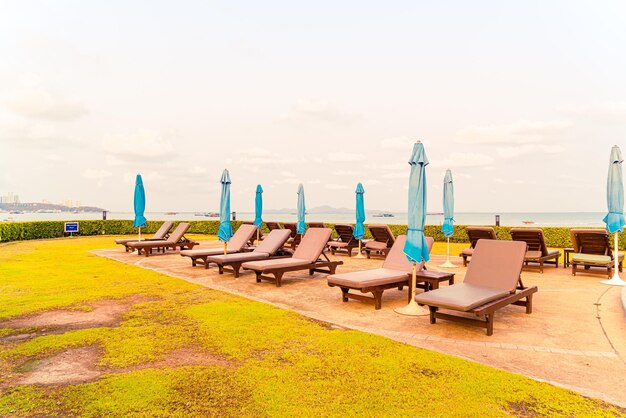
(593, 241)
(535, 241)
(183, 243)
(317, 266)
(376, 291)
(387, 237)
(235, 266)
(344, 231)
(474, 233)
(486, 312)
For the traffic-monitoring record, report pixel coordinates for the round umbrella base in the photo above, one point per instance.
(615, 281)
(448, 264)
(359, 255)
(412, 309)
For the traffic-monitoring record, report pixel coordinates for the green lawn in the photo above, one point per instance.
(268, 361)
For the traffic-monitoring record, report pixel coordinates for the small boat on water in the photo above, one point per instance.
(172, 213)
(16, 212)
(208, 214)
(528, 222)
(384, 215)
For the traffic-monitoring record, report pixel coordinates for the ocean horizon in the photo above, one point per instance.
(577, 219)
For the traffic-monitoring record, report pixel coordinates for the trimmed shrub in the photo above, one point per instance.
(558, 237)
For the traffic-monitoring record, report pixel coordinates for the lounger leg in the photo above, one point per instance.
(332, 250)
(489, 318)
(332, 269)
(541, 267)
(433, 311)
(258, 276)
(349, 252)
(344, 294)
(311, 271)
(367, 253)
(206, 263)
(221, 269)
(193, 262)
(236, 268)
(279, 277)
(529, 304)
(378, 296)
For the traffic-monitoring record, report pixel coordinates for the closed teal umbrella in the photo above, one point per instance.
(139, 204)
(416, 248)
(226, 230)
(258, 209)
(615, 201)
(448, 213)
(301, 225)
(359, 228)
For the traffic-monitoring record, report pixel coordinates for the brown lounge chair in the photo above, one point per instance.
(269, 248)
(396, 272)
(474, 233)
(306, 257)
(382, 242)
(345, 241)
(236, 244)
(161, 234)
(537, 251)
(295, 239)
(259, 233)
(592, 249)
(492, 281)
(176, 239)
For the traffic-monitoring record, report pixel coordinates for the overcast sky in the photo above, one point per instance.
(522, 100)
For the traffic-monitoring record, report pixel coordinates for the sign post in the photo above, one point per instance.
(70, 227)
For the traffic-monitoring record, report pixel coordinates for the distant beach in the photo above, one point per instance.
(580, 219)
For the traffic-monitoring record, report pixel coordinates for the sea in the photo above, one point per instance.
(575, 219)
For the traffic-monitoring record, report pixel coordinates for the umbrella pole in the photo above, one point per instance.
(412, 308)
(139, 239)
(225, 249)
(359, 254)
(257, 236)
(615, 280)
(448, 263)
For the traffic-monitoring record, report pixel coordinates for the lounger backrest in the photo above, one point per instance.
(345, 232)
(382, 233)
(163, 230)
(241, 237)
(272, 225)
(178, 233)
(496, 264)
(316, 225)
(591, 241)
(273, 241)
(474, 233)
(292, 227)
(396, 259)
(533, 237)
(313, 243)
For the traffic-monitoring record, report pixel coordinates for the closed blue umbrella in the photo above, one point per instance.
(615, 201)
(416, 248)
(139, 204)
(359, 228)
(226, 230)
(301, 225)
(258, 209)
(448, 213)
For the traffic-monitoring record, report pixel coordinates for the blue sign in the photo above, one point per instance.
(71, 227)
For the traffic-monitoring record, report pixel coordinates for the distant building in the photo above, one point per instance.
(71, 203)
(10, 198)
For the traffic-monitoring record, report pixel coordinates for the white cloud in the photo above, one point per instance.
(141, 147)
(521, 132)
(463, 159)
(41, 104)
(99, 175)
(333, 186)
(313, 109)
(345, 157)
(601, 111)
(516, 151)
(196, 170)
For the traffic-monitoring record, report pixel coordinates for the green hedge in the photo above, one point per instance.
(557, 237)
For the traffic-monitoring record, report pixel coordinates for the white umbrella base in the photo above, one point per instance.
(412, 309)
(615, 281)
(448, 264)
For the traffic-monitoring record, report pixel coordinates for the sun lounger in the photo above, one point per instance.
(492, 281)
(344, 241)
(306, 257)
(382, 242)
(395, 273)
(537, 251)
(236, 244)
(592, 250)
(295, 239)
(176, 239)
(269, 248)
(161, 234)
(258, 233)
(474, 233)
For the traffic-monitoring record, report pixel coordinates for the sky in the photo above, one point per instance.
(521, 100)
